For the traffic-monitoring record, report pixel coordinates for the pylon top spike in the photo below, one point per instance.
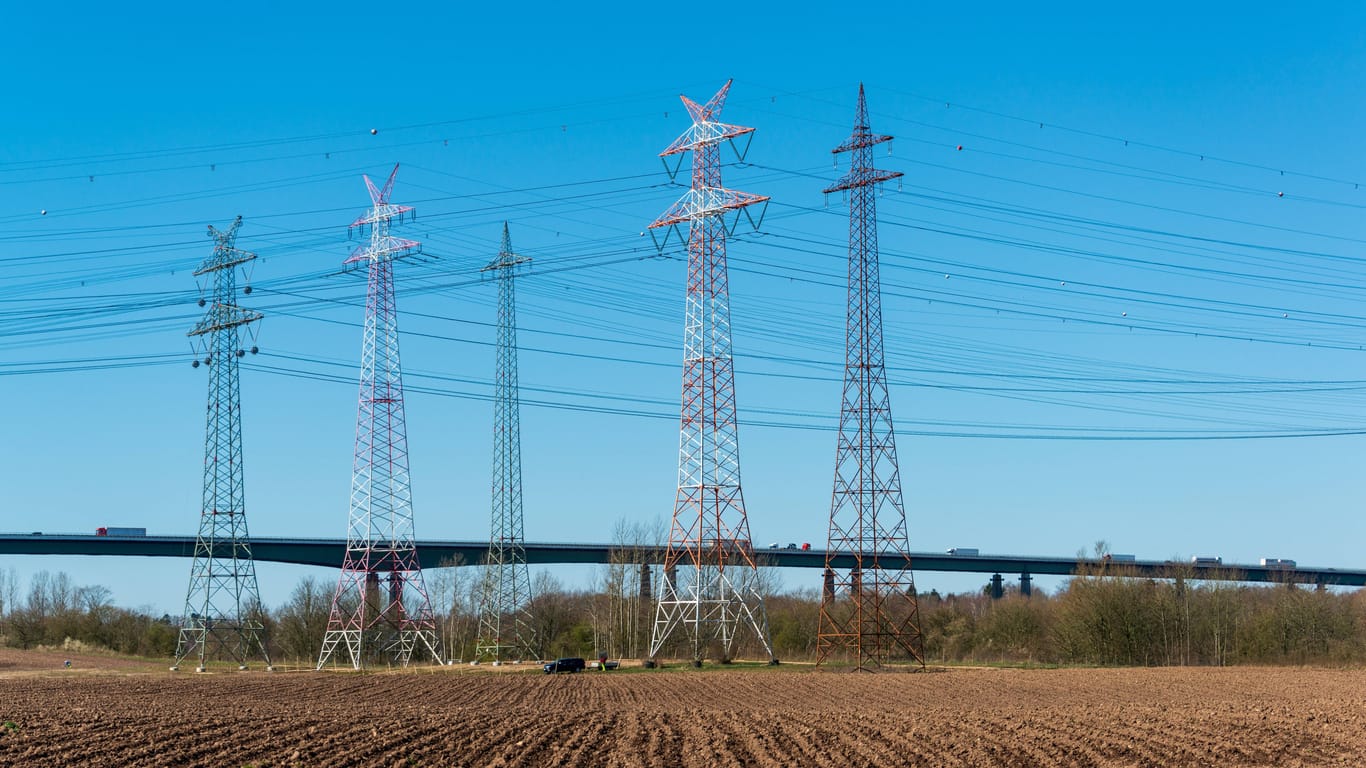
(382, 244)
(719, 100)
(225, 253)
(388, 187)
(696, 111)
(505, 258)
(861, 171)
(863, 135)
(706, 197)
(226, 237)
(380, 196)
(703, 113)
(705, 128)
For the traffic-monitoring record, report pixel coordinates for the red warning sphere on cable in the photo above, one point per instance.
(960, 147)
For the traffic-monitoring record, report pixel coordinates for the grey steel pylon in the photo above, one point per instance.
(222, 604)
(504, 624)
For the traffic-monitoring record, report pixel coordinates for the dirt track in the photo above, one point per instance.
(789, 717)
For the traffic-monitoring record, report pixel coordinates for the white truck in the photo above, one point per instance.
(1278, 562)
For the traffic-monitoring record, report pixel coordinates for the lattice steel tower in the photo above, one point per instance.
(379, 537)
(869, 612)
(222, 603)
(709, 568)
(504, 625)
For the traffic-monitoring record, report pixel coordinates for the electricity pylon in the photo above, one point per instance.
(504, 625)
(222, 603)
(709, 568)
(379, 536)
(870, 612)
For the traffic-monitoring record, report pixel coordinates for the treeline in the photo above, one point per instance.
(1120, 619)
(54, 612)
(1107, 617)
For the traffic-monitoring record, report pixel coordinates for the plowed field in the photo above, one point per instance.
(785, 717)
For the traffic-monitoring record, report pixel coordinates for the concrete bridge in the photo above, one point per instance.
(435, 554)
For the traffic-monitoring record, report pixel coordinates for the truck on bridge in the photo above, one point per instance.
(111, 530)
(1278, 562)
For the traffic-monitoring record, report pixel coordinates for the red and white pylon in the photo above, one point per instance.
(709, 570)
(381, 607)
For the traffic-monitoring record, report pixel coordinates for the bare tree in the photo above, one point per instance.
(551, 611)
(455, 594)
(9, 591)
(302, 620)
(628, 580)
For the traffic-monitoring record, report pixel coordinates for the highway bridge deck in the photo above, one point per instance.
(433, 554)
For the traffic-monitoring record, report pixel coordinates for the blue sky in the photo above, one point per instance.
(1109, 255)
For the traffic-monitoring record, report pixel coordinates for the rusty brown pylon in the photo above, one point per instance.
(869, 613)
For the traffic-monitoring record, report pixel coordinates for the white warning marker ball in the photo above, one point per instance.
(374, 131)
(1123, 314)
(43, 212)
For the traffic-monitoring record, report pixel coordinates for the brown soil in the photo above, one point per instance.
(784, 717)
(27, 663)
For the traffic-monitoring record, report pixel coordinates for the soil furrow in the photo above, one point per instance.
(790, 716)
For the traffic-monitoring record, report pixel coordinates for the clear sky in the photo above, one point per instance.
(1151, 241)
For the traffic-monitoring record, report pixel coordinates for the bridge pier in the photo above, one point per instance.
(371, 597)
(1026, 584)
(997, 587)
(645, 590)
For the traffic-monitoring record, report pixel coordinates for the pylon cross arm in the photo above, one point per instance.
(222, 317)
(700, 202)
(224, 258)
(387, 247)
(861, 177)
(702, 134)
(860, 140)
(381, 212)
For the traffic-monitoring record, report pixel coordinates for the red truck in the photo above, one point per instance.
(116, 531)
